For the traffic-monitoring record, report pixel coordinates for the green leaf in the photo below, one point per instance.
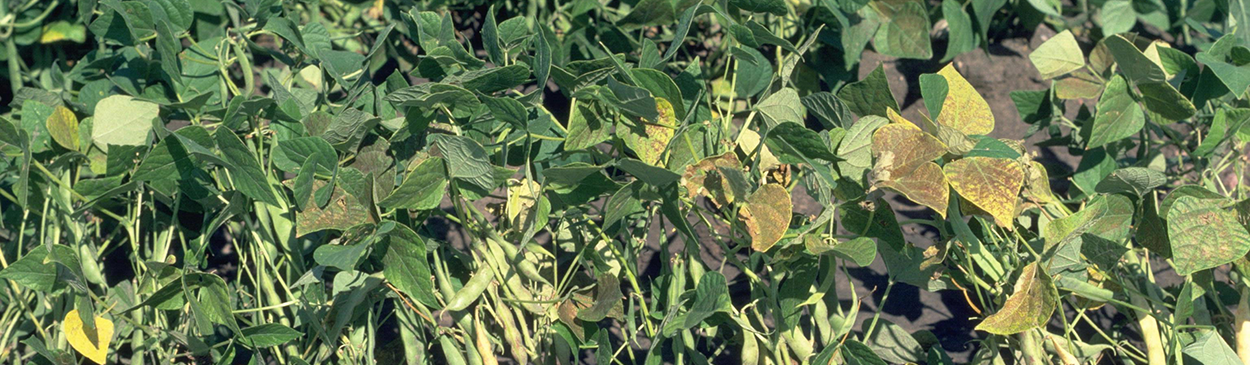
(122, 120)
(344, 257)
(1135, 181)
(654, 176)
(1194, 225)
(423, 188)
(1058, 56)
(904, 30)
(1133, 63)
(406, 267)
(860, 250)
(992, 147)
(828, 109)
(270, 334)
(490, 37)
(31, 271)
(782, 106)
(711, 296)
(1166, 101)
(775, 7)
(753, 71)
(933, 89)
(586, 128)
(1030, 305)
(794, 143)
(1210, 349)
(466, 160)
(303, 185)
(870, 95)
(169, 158)
(855, 147)
(1118, 116)
(661, 86)
(169, 46)
(292, 153)
(348, 128)
(1234, 75)
(496, 78)
(178, 13)
(246, 173)
(1117, 16)
(631, 100)
(959, 27)
(607, 296)
(857, 353)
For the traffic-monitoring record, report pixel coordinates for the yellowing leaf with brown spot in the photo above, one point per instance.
(647, 138)
(991, 184)
(704, 179)
(926, 185)
(766, 215)
(909, 146)
(63, 126)
(1028, 307)
(91, 343)
(964, 109)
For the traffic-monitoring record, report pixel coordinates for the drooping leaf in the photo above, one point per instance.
(1030, 305)
(92, 342)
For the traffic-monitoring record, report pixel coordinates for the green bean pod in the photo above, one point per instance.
(471, 290)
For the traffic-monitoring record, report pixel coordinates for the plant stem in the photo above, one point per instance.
(1241, 325)
(1149, 325)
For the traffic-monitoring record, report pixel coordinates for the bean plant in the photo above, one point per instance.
(618, 182)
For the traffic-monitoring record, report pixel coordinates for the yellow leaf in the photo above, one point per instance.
(964, 109)
(648, 139)
(91, 343)
(767, 215)
(522, 195)
(991, 184)
(908, 145)
(63, 126)
(925, 185)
